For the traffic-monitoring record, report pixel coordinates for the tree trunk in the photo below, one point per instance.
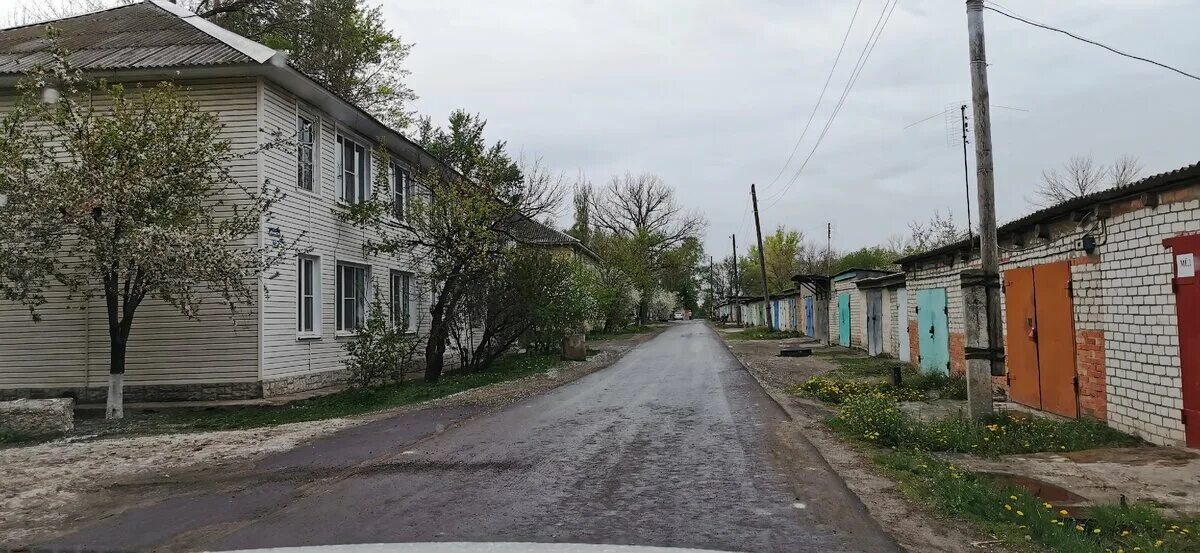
(435, 352)
(114, 408)
(644, 309)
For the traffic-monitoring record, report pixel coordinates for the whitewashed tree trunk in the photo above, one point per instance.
(115, 408)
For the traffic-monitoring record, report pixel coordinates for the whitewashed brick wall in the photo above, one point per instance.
(858, 313)
(1138, 314)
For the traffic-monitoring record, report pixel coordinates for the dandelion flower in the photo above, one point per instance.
(1007, 507)
(1020, 514)
(1047, 506)
(1012, 497)
(1124, 532)
(1078, 527)
(1096, 531)
(1063, 512)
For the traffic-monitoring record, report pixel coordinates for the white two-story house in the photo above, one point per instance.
(292, 338)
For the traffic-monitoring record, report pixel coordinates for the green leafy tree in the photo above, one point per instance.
(872, 257)
(460, 222)
(646, 228)
(536, 297)
(343, 44)
(130, 190)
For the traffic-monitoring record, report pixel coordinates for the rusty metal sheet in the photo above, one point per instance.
(1024, 382)
(1055, 337)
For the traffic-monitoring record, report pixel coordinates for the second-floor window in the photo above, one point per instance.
(400, 188)
(352, 170)
(305, 133)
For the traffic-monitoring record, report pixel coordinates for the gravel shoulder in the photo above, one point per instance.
(913, 527)
(49, 486)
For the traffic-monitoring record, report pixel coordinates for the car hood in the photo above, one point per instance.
(478, 547)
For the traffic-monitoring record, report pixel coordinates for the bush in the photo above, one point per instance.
(877, 418)
(835, 390)
(380, 351)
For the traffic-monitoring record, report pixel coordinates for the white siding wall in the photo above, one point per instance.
(69, 347)
(313, 214)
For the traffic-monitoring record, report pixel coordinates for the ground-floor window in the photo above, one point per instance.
(352, 296)
(401, 297)
(308, 317)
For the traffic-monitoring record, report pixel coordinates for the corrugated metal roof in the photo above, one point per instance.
(1183, 175)
(136, 36)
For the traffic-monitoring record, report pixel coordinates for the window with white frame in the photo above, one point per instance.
(401, 182)
(352, 163)
(305, 140)
(352, 281)
(308, 296)
(401, 286)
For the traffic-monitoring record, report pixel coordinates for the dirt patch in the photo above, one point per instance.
(913, 527)
(47, 486)
(1136, 456)
(1164, 476)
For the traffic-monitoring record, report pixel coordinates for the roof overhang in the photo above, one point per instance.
(277, 71)
(885, 281)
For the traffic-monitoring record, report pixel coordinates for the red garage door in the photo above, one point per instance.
(1185, 251)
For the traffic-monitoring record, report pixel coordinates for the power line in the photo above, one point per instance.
(1092, 42)
(863, 56)
(880, 24)
(820, 97)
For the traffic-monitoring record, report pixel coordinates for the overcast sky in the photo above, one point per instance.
(712, 95)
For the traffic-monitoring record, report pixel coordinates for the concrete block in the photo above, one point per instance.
(574, 347)
(37, 417)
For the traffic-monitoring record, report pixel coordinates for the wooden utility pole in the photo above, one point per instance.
(981, 288)
(712, 310)
(762, 260)
(736, 286)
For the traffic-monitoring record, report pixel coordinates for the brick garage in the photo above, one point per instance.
(846, 283)
(1126, 354)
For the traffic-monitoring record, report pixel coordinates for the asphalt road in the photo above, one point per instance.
(673, 445)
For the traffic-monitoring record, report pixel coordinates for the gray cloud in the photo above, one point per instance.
(711, 96)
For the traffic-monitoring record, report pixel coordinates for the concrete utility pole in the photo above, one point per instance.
(981, 288)
(762, 260)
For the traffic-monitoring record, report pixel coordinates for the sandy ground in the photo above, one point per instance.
(46, 485)
(914, 528)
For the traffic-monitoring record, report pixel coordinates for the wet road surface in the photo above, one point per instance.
(673, 445)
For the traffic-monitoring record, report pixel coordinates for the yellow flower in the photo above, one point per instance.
(1012, 497)
(1078, 527)
(1047, 505)
(1096, 531)
(1020, 514)
(1063, 512)
(1124, 532)
(1007, 507)
(1158, 543)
